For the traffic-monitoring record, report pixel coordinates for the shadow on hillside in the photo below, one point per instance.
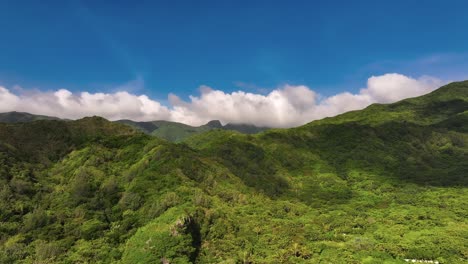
(419, 154)
(425, 155)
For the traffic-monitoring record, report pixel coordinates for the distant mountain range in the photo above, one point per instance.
(176, 132)
(172, 131)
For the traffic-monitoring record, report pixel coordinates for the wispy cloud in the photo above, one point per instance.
(285, 106)
(451, 65)
(252, 87)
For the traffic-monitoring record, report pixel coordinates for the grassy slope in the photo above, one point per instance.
(372, 186)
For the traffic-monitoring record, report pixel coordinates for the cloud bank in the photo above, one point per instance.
(285, 106)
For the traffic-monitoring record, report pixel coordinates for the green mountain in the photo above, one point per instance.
(177, 132)
(380, 185)
(19, 117)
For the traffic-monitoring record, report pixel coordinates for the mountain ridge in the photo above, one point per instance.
(176, 132)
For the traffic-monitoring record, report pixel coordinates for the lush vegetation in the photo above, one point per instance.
(380, 185)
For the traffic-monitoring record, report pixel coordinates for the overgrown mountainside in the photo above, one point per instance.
(380, 185)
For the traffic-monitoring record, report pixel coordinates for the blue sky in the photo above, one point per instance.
(164, 47)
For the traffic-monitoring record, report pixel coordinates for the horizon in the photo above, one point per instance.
(223, 123)
(265, 64)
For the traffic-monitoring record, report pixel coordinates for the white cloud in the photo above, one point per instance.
(385, 88)
(393, 87)
(285, 106)
(65, 104)
(295, 105)
(8, 101)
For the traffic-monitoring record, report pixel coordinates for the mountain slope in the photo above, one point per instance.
(19, 117)
(439, 105)
(50, 139)
(420, 135)
(374, 186)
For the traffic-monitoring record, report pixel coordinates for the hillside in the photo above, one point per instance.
(19, 117)
(379, 185)
(447, 102)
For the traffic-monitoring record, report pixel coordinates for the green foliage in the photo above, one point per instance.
(170, 238)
